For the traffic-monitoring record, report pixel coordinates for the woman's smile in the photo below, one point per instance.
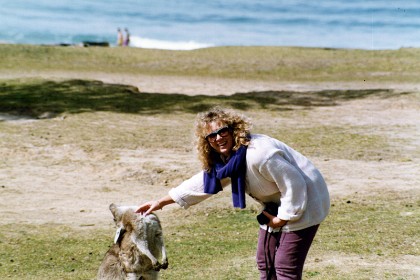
(222, 144)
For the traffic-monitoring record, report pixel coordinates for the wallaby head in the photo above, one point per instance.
(140, 226)
(138, 244)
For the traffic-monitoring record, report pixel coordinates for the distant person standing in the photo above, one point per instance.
(120, 38)
(127, 38)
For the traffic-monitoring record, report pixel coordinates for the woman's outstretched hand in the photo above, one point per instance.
(153, 205)
(149, 207)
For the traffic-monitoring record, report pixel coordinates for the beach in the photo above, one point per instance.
(190, 24)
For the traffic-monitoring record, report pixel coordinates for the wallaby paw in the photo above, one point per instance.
(157, 266)
(164, 265)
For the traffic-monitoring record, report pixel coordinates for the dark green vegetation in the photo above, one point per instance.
(34, 97)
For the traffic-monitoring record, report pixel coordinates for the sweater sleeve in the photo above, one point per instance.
(191, 191)
(291, 184)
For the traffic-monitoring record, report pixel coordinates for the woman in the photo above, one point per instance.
(267, 170)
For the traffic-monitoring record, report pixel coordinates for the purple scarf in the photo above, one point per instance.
(235, 169)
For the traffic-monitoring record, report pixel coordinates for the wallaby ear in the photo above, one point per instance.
(113, 209)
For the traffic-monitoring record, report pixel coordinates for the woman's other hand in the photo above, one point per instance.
(275, 222)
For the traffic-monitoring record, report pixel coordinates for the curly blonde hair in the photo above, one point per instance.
(239, 125)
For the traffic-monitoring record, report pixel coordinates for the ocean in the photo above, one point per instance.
(192, 24)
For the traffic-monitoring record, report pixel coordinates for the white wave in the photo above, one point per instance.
(148, 43)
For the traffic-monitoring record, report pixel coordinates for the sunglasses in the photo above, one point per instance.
(223, 132)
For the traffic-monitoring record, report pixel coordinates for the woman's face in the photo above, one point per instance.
(222, 142)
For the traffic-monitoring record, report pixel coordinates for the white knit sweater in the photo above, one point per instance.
(275, 173)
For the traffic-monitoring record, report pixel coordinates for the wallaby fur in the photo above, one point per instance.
(136, 249)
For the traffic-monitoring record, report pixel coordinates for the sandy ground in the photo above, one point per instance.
(38, 186)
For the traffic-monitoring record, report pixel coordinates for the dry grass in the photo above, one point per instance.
(92, 142)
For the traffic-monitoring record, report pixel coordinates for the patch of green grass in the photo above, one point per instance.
(372, 225)
(218, 244)
(49, 252)
(258, 63)
(221, 243)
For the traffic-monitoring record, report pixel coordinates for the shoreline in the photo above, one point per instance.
(107, 44)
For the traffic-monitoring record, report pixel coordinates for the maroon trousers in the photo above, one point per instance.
(283, 253)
